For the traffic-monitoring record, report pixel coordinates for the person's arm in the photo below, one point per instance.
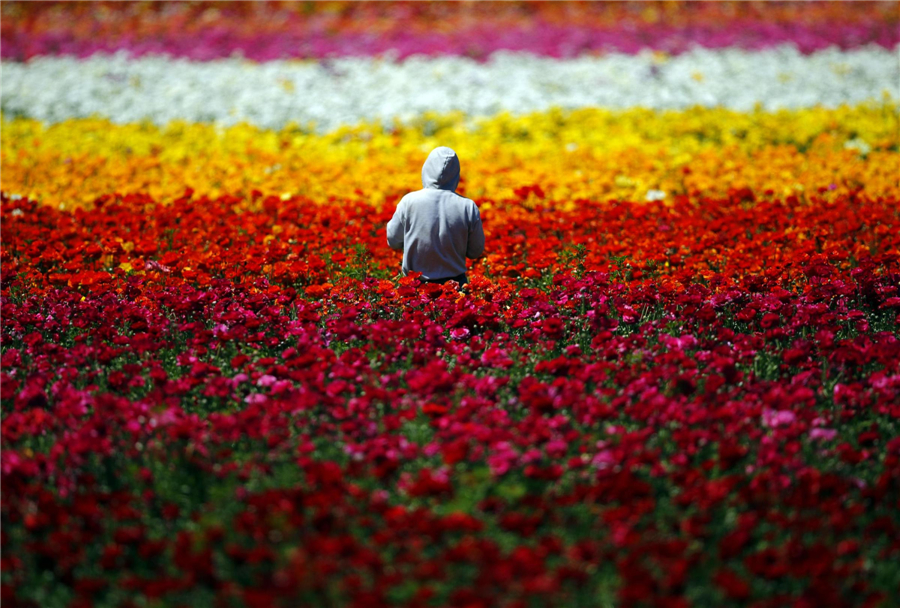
(475, 248)
(395, 227)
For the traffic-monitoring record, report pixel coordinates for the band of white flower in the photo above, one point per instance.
(337, 92)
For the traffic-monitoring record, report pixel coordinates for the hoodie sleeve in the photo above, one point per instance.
(475, 248)
(395, 227)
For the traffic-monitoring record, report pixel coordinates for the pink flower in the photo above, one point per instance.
(603, 460)
(556, 448)
(822, 434)
(777, 418)
(458, 333)
(502, 458)
(240, 379)
(266, 380)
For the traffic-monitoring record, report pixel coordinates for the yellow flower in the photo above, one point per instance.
(588, 153)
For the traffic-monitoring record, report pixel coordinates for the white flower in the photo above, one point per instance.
(655, 195)
(352, 90)
(860, 145)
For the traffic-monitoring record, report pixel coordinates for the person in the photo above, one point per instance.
(436, 228)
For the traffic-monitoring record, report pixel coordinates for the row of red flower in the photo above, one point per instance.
(206, 426)
(746, 237)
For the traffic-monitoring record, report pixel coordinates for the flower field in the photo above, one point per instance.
(673, 380)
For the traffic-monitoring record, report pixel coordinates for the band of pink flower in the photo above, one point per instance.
(262, 32)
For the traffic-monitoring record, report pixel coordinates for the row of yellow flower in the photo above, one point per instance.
(591, 153)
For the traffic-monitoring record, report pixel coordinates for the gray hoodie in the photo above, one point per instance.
(436, 228)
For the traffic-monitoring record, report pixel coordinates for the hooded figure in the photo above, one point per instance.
(436, 228)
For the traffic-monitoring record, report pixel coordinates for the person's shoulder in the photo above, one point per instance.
(468, 204)
(466, 208)
(462, 200)
(408, 198)
(414, 195)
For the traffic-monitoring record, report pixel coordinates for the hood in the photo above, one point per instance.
(441, 169)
